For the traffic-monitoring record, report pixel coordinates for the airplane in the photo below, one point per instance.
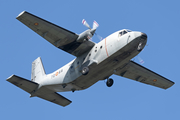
(93, 62)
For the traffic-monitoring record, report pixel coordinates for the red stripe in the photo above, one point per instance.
(106, 48)
(83, 21)
(96, 23)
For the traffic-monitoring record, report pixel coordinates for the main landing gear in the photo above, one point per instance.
(85, 70)
(109, 82)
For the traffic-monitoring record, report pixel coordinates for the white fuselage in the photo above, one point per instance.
(104, 58)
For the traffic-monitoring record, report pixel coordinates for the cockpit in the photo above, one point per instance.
(122, 32)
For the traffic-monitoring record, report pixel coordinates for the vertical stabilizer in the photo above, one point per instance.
(38, 72)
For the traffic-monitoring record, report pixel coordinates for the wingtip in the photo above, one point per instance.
(67, 104)
(9, 77)
(172, 83)
(20, 14)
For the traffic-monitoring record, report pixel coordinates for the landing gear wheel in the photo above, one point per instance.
(140, 47)
(109, 82)
(85, 70)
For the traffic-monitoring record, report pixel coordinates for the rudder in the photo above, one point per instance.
(38, 71)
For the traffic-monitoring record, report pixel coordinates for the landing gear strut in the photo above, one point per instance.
(109, 82)
(85, 70)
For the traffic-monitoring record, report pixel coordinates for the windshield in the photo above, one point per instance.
(129, 30)
(124, 32)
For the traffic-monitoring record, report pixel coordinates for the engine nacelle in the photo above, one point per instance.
(86, 35)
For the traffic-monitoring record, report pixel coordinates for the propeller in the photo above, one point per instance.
(91, 30)
(87, 35)
(99, 37)
(140, 60)
(95, 24)
(85, 24)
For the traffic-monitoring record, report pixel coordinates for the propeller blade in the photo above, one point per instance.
(95, 24)
(85, 23)
(99, 37)
(140, 60)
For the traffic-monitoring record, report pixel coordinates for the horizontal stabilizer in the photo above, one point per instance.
(53, 97)
(43, 92)
(22, 83)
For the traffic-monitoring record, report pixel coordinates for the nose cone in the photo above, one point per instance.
(143, 36)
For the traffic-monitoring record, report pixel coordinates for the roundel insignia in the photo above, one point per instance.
(36, 24)
(154, 80)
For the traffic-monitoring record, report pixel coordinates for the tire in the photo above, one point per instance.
(85, 70)
(140, 47)
(109, 82)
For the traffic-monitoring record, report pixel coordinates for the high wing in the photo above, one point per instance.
(139, 73)
(44, 93)
(56, 35)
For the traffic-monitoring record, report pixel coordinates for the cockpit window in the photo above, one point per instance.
(120, 34)
(124, 32)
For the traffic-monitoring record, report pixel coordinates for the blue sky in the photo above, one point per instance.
(126, 99)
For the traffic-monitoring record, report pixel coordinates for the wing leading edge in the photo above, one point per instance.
(43, 92)
(56, 35)
(139, 73)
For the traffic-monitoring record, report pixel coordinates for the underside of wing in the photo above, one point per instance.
(139, 73)
(56, 35)
(26, 85)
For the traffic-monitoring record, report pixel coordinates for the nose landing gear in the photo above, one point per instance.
(109, 82)
(140, 47)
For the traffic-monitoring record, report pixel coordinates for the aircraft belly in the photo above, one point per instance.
(109, 65)
(100, 71)
(60, 88)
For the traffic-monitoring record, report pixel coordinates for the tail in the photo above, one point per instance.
(37, 72)
(33, 88)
